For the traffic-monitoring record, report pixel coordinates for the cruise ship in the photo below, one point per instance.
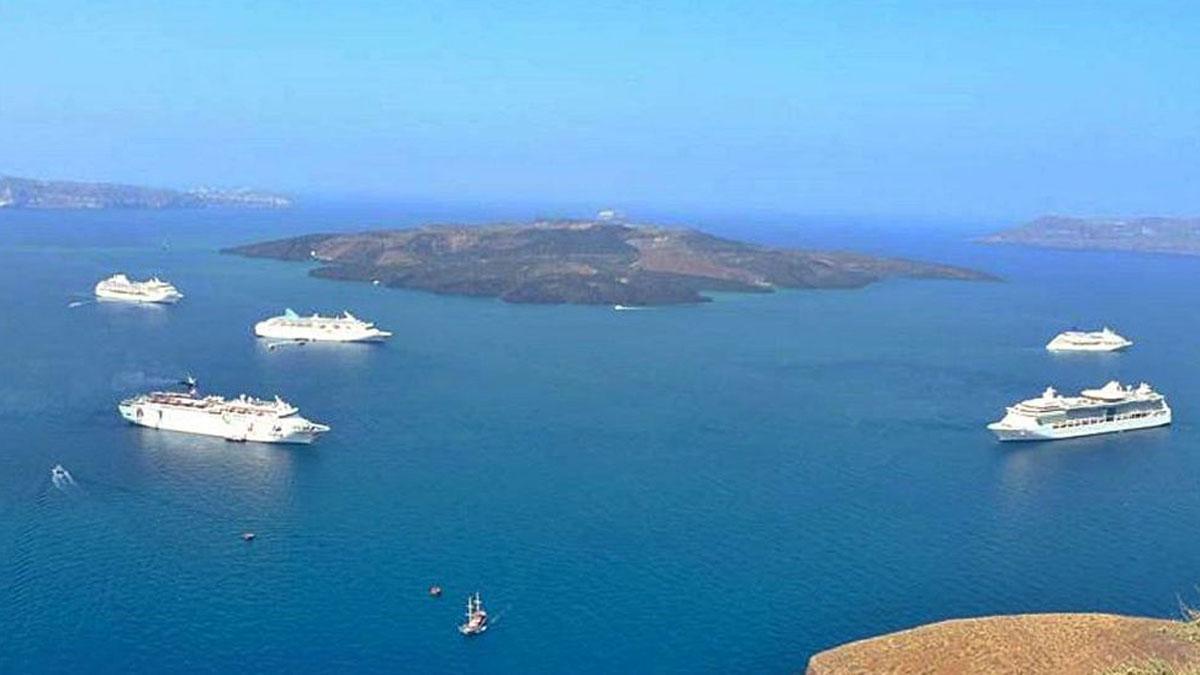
(1110, 408)
(317, 328)
(122, 288)
(239, 419)
(1104, 340)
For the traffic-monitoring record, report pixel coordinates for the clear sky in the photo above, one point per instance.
(973, 109)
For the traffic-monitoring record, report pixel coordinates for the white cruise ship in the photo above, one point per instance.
(317, 328)
(240, 419)
(121, 287)
(1088, 341)
(1095, 411)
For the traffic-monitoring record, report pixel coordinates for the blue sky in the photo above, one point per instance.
(1002, 109)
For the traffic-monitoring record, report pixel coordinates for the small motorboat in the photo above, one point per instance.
(248, 536)
(477, 618)
(61, 477)
(435, 591)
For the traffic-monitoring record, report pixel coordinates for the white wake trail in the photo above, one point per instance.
(62, 479)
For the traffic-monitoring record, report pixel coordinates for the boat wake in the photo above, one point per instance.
(62, 479)
(141, 380)
(627, 308)
(78, 303)
(495, 619)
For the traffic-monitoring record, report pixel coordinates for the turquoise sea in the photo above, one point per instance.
(728, 487)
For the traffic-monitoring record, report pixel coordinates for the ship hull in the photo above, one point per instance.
(291, 430)
(263, 330)
(1088, 348)
(154, 299)
(1044, 433)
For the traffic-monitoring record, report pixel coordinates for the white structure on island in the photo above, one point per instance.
(1110, 408)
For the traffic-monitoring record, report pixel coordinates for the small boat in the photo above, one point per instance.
(248, 536)
(435, 591)
(477, 618)
(61, 477)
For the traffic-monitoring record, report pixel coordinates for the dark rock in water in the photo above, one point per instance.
(27, 193)
(584, 262)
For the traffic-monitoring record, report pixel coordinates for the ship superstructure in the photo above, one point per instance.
(1108, 409)
(121, 288)
(1104, 340)
(317, 328)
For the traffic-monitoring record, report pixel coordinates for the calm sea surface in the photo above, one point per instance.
(719, 488)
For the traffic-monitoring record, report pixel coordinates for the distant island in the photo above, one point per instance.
(1025, 644)
(28, 193)
(1147, 234)
(596, 262)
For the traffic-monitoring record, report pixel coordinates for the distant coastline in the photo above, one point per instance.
(30, 193)
(1145, 234)
(597, 262)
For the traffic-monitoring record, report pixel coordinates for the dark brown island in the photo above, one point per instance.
(584, 262)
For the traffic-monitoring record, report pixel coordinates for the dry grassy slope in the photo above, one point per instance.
(1026, 644)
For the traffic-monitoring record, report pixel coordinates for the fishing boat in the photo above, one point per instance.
(476, 617)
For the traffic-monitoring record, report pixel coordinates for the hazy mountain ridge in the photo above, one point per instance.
(29, 193)
(584, 262)
(1148, 234)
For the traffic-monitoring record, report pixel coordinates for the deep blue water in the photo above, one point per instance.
(719, 488)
